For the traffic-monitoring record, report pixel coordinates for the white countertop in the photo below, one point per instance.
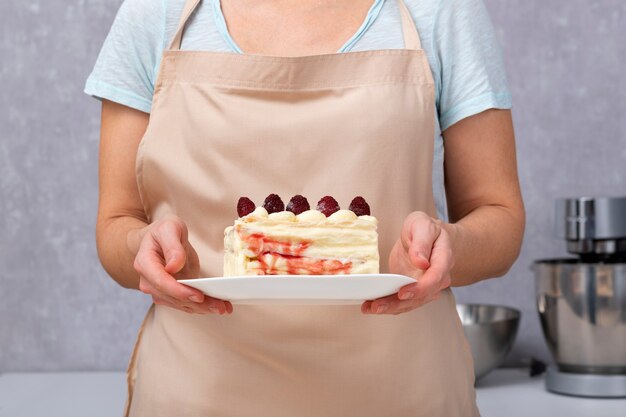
(507, 392)
(512, 393)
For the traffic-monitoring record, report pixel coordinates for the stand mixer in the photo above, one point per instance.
(582, 301)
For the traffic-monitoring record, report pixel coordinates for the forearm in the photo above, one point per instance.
(118, 241)
(485, 242)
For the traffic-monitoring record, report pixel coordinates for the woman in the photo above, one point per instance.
(304, 97)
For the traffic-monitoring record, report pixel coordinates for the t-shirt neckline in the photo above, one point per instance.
(371, 16)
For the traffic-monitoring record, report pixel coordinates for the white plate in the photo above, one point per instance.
(300, 289)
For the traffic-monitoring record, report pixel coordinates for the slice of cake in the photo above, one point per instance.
(270, 240)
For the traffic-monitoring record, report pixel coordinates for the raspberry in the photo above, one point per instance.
(298, 204)
(273, 204)
(360, 207)
(327, 205)
(245, 206)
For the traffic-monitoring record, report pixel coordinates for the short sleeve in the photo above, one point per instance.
(472, 73)
(126, 67)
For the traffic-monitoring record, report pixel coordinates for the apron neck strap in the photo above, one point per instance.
(409, 31)
(190, 7)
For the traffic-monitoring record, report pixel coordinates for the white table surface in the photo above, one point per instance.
(512, 393)
(507, 392)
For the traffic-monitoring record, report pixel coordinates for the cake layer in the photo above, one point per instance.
(309, 243)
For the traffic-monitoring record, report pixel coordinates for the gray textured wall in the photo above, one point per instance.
(59, 310)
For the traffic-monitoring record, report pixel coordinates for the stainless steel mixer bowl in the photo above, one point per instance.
(490, 331)
(582, 307)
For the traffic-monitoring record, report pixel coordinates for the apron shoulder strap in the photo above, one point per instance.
(190, 7)
(409, 31)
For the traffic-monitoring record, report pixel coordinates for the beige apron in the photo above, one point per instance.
(225, 125)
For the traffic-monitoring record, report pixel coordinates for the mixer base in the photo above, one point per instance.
(585, 385)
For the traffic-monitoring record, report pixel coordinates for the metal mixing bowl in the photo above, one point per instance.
(582, 307)
(490, 331)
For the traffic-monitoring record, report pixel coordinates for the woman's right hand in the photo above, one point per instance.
(165, 254)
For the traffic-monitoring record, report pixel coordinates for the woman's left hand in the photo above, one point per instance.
(423, 252)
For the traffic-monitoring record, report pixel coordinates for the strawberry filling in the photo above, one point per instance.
(276, 257)
(259, 243)
(277, 264)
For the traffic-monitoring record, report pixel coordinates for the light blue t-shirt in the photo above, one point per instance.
(457, 36)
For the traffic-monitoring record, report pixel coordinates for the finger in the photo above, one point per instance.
(146, 287)
(191, 269)
(416, 222)
(206, 305)
(229, 307)
(409, 291)
(164, 301)
(386, 305)
(399, 258)
(402, 306)
(171, 303)
(172, 237)
(395, 306)
(158, 297)
(400, 261)
(442, 261)
(406, 234)
(435, 278)
(210, 306)
(215, 305)
(151, 268)
(423, 231)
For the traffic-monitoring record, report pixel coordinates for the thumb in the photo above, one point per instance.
(420, 233)
(171, 236)
(176, 262)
